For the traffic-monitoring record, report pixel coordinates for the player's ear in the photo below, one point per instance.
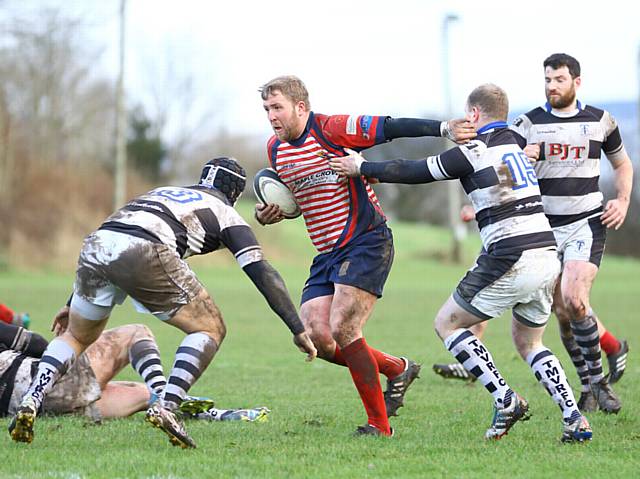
(300, 107)
(578, 81)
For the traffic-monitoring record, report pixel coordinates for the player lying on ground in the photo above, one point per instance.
(139, 251)
(517, 269)
(88, 388)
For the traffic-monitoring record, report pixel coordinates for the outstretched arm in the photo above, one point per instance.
(458, 130)
(271, 285)
(451, 164)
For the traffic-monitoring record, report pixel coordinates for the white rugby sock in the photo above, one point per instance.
(476, 358)
(549, 373)
(55, 361)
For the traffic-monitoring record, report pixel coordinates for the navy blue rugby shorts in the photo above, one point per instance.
(364, 263)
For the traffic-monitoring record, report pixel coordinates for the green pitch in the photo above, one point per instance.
(315, 407)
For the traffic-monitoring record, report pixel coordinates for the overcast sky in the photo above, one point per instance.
(374, 56)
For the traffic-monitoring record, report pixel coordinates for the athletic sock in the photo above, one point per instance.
(390, 366)
(145, 359)
(609, 343)
(586, 334)
(364, 371)
(549, 373)
(578, 361)
(476, 358)
(55, 361)
(193, 356)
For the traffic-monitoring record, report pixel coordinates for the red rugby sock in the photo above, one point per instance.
(609, 343)
(364, 371)
(388, 365)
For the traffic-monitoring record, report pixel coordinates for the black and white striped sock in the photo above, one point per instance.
(551, 375)
(578, 361)
(476, 358)
(193, 356)
(145, 359)
(55, 361)
(586, 333)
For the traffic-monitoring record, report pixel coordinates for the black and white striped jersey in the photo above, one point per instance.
(569, 166)
(499, 180)
(193, 220)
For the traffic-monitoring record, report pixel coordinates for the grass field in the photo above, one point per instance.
(315, 407)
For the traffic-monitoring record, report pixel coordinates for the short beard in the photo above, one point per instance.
(564, 100)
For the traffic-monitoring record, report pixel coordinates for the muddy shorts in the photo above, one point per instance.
(363, 263)
(523, 282)
(115, 265)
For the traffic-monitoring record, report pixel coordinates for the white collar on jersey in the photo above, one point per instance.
(564, 114)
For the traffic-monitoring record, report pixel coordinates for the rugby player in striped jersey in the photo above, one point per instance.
(569, 139)
(140, 251)
(517, 268)
(348, 228)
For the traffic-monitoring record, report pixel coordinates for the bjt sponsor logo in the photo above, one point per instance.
(565, 151)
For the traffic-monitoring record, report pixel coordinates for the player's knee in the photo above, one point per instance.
(442, 326)
(141, 331)
(577, 308)
(524, 345)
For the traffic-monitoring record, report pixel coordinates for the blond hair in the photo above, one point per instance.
(290, 86)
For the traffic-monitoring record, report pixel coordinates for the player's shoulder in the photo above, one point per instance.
(473, 148)
(595, 112)
(534, 115)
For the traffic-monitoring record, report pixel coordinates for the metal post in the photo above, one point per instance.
(120, 180)
(453, 195)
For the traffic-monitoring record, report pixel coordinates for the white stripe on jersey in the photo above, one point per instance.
(323, 195)
(181, 203)
(515, 226)
(568, 141)
(503, 157)
(571, 205)
(435, 168)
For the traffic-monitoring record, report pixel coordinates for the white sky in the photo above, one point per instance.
(373, 56)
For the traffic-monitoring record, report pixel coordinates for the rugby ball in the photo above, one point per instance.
(270, 189)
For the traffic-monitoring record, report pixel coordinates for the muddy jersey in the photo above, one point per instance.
(192, 220)
(568, 169)
(335, 209)
(19, 367)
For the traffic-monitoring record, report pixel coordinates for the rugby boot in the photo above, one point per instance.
(618, 363)
(192, 405)
(21, 426)
(587, 402)
(454, 371)
(369, 430)
(166, 420)
(505, 418)
(397, 387)
(577, 430)
(607, 399)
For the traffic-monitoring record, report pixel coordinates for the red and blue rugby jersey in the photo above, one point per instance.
(335, 209)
